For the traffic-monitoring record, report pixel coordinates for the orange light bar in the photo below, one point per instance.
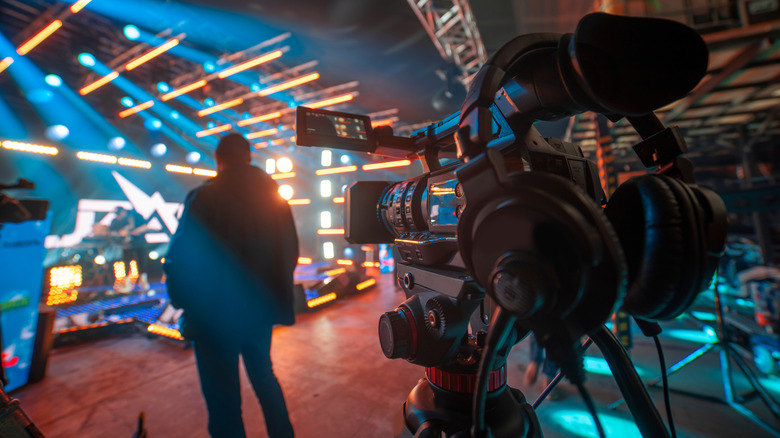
(366, 248)
(5, 63)
(204, 172)
(385, 122)
(220, 107)
(368, 264)
(152, 54)
(98, 83)
(178, 169)
(89, 156)
(259, 119)
(164, 331)
(289, 84)
(387, 164)
(330, 231)
(368, 283)
(334, 272)
(39, 37)
(249, 64)
(277, 141)
(79, 5)
(299, 201)
(344, 262)
(135, 109)
(339, 200)
(332, 170)
(206, 132)
(264, 133)
(321, 300)
(27, 147)
(185, 89)
(283, 175)
(260, 145)
(333, 101)
(304, 261)
(135, 163)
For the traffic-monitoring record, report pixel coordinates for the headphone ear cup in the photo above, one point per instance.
(659, 224)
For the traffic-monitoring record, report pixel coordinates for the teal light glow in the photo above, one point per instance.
(163, 87)
(770, 384)
(209, 67)
(131, 32)
(87, 60)
(175, 115)
(580, 424)
(210, 125)
(193, 157)
(40, 95)
(53, 80)
(153, 124)
(116, 143)
(698, 336)
(127, 102)
(209, 101)
(159, 149)
(597, 365)
(255, 87)
(57, 132)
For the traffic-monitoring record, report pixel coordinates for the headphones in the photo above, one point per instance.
(666, 233)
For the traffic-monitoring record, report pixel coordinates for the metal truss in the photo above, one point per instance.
(453, 30)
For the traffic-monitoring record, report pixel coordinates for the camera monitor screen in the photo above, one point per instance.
(316, 127)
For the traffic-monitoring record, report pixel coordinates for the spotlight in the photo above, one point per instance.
(163, 87)
(325, 188)
(57, 132)
(127, 102)
(326, 158)
(349, 252)
(245, 115)
(328, 251)
(87, 60)
(159, 149)
(116, 143)
(153, 124)
(154, 255)
(193, 157)
(286, 191)
(100, 259)
(175, 115)
(284, 165)
(211, 125)
(209, 67)
(345, 159)
(270, 165)
(325, 219)
(131, 32)
(255, 87)
(53, 80)
(209, 101)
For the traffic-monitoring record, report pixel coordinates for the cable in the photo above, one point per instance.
(592, 408)
(667, 402)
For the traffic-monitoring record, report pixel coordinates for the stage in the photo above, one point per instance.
(337, 383)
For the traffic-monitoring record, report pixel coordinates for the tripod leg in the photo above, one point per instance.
(766, 397)
(673, 369)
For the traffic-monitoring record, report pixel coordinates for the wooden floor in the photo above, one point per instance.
(336, 381)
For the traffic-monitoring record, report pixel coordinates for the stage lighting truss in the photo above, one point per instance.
(453, 30)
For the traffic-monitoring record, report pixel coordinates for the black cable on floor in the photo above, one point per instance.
(667, 402)
(592, 408)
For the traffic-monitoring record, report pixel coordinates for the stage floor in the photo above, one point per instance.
(337, 383)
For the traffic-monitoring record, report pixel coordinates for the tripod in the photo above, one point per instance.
(727, 353)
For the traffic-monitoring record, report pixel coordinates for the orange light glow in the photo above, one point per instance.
(164, 331)
(135, 109)
(368, 283)
(332, 101)
(385, 122)
(277, 141)
(386, 165)
(264, 133)
(79, 5)
(249, 64)
(321, 300)
(339, 200)
(135, 163)
(260, 145)
(220, 107)
(178, 169)
(152, 54)
(304, 261)
(283, 175)
(89, 156)
(39, 37)
(5, 63)
(299, 201)
(98, 83)
(330, 231)
(344, 262)
(289, 84)
(216, 130)
(27, 147)
(62, 281)
(368, 264)
(334, 272)
(204, 172)
(332, 170)
(259, 119)
(183, 90)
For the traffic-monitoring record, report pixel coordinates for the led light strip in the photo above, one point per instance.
(259, 119)
(330, 231)
(185, 89)
(220, 107)
(299, 201)
(27, 147)
(387, 165)
(249, 64)
(283, 175)
(289, 84)
(321, 300)
(332, 101)
(98, 83)
(211, 131)
(264, 133)
(365, 284)
(332, 170)
(138, 108)
(39, 37)
(173, 42)
(5, 63)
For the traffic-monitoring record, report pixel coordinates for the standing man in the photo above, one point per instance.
(230, 267)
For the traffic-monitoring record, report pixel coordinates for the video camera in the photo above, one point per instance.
(512, 238)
